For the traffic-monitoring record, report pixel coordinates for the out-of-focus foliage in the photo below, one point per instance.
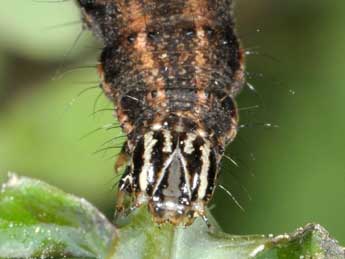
(37, 29)
(294, 174)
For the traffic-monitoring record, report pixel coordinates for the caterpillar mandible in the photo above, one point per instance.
(172, 68)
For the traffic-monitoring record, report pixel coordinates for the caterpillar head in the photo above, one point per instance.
(175, 173)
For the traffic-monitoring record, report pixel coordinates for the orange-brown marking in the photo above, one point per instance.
(198, 9)
(150, 70)
(133, 15)
(123, 119)
(135, 21)
(122, 160)
(238, 77)
(107, 89)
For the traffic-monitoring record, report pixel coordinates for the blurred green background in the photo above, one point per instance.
(287, 176)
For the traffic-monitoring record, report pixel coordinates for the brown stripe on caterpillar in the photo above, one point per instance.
(198, 10)
(150, 70)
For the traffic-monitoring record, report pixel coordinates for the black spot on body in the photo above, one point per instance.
(111, 68)
(132, 105)
(233, 49)
(153, 36)
(88, 5)
(132, 37)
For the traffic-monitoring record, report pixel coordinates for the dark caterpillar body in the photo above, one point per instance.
(172, 69)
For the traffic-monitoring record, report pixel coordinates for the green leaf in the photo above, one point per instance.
(142, 239)
(37, 220)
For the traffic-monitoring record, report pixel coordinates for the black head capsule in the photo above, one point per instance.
(174, 173)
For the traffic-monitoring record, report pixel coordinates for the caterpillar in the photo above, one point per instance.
(172, 68)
